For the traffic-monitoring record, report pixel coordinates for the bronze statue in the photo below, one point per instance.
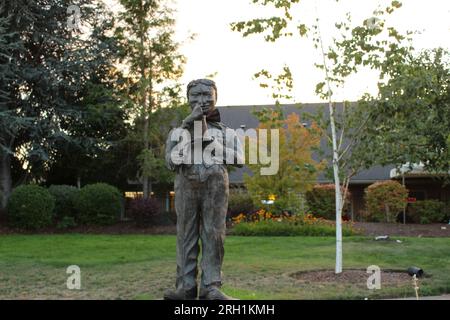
(201, 194)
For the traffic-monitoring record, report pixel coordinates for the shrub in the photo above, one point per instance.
(290, 202)
(240, 202)
(428, 211)
(385, 200)
(263, 223)
(322, 203)
(98, 204)
(30, 207)
(64, 200)
(66, 222)
(144, 212)
(447, 211)
(271, 228)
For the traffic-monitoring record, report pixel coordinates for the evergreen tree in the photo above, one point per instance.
(145, 33)
(55, 86)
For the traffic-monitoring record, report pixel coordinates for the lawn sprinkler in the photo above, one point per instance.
(415, 271)
(416, 286)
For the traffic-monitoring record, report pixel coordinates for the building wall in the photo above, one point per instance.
(358, 204)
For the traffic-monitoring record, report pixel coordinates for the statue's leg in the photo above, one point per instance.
(186, 206)
(214, 208)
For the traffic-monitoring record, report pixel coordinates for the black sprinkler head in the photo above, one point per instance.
(415, 271)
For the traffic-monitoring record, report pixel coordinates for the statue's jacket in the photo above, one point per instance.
(219, 139)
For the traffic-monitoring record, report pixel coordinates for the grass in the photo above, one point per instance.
(143, 266)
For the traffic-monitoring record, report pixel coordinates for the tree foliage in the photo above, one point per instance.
(56, 93)
(297, 169)
(147, 47)
(355, 48)
(410, 116)
(273, 27)
(385, 200)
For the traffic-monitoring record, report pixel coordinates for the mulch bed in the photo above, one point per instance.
(351, 276)
(119, 228)
(404, 230)
(128, 227)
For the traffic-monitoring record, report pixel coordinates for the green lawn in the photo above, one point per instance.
(142, 266)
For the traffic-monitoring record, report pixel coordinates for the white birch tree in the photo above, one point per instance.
(357, 47)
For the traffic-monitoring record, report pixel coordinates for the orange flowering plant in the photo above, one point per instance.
(287, 224)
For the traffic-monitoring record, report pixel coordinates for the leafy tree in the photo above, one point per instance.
(340, 60)
(120, 164)
(297, 170)
(145, 33)
(344, 57)
(8, 43)
(55, 84)
(150, 162)
(385, 199)
(321, 201)
(410, 116)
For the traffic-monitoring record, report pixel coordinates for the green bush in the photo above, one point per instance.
(272, 228)
(64, 200)
(145, 212)
(322, 203)
(98, 204)
(30, 207)
(428, 211)
(66, 222)
(385, 200)
(240, 202)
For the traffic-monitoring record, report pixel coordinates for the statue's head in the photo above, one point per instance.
(202, 92)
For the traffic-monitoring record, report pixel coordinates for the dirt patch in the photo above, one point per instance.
(119, 228)
(405, 230)
(128, 227)
(351, 276)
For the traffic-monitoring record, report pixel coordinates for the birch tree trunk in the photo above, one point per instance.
(338, 198)
(337, 183)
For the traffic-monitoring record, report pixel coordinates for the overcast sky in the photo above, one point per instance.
(216, 49)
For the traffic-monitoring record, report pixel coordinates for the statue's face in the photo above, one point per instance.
(202, 95)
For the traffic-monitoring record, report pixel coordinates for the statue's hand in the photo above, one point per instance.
(196, 114)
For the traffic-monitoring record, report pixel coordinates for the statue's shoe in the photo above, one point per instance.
(181, 294)
(213, 293)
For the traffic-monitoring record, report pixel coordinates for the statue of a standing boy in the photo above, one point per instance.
(201, 193)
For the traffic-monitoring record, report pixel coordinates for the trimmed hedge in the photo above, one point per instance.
(385, 200)
(240, 202)
(144, 212)
(98, 204)
(30, 207)
(428, 211)
(322, 203)
(65, 197)
(271, 228)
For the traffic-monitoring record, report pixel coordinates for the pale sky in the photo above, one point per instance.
(235, 59)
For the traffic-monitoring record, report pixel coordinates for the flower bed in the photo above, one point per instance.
(263, 223)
